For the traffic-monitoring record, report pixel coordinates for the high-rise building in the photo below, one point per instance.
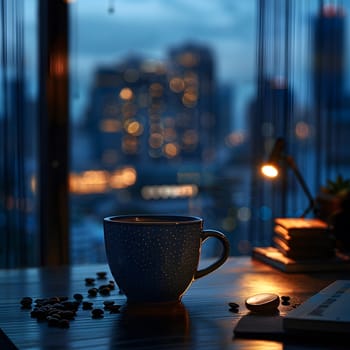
(328, 56)
(145, 112)
(192, 80)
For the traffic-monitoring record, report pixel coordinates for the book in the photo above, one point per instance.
(299, 226)
(273, 257)
(326, 311)
(303, 234)
(302, 223)
(308, 251)
(301, 243)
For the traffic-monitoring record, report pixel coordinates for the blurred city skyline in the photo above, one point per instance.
(288, 78)
(150, 29)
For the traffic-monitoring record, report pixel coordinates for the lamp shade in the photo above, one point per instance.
(270, 169)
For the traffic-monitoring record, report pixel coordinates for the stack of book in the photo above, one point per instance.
(302, 239)
(302, 245)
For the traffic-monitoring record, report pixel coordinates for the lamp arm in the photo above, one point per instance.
(291, 163)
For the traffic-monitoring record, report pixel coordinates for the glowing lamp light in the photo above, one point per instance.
(270, 170)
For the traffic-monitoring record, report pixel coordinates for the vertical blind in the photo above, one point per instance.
(33, 128)
(302, 97)
(17, 134)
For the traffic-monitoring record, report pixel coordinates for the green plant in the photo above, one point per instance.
(339, 187)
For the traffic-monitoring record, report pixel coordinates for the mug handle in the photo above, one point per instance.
(226, 251)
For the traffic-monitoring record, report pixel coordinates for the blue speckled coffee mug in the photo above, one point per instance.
(154, 258)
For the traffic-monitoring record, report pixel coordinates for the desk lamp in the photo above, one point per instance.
(271, 168)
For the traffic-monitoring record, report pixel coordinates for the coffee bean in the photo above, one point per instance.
(53, 300)
(114, 309)
(285, 300)
(87, 305)
(42, 301)
(233, 305)
(70, 305)
(58, 306)
(93, 292)
(97, 313)
(104, 290)
(53, 321)
(55, 315)
(78, 296)
(101, 274)
(39, 314)
(108, 303)
(63, 298)
(26, 302)
(89, 281)
(53, 311)
(67, 314)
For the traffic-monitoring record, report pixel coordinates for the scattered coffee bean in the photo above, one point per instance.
(93, 292)
(285, 300)
(70, 305)
(234, 310)
(39, 301)
(104, 290)
(54, 300)
(55, 315)
(63, 298)
(233, 305)
(58, 311)
(38, 313)
(89, 281)
(52, 311)
(26, 302)
(87, 305)
(97, 313)
(108, 303)
(53, 321)
(67, 314)
(101, 274)
(111, 285)
(57, 306)
(78, 297)
(114, 309)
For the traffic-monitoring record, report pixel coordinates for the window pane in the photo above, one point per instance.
(159, 95)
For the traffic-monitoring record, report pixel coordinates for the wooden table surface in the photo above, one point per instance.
(202, 321)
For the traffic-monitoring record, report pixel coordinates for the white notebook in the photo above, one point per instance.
(326, 311)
